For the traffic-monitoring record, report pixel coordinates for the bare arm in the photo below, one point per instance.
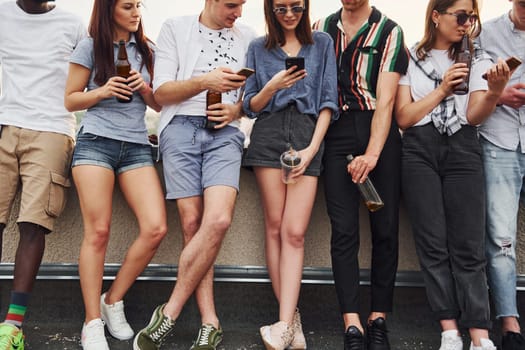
(381, 121)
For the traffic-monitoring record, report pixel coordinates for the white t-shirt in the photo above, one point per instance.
(421, 85)
(34, 58)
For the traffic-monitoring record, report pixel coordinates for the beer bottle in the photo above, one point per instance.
(368, 192)
(123, 66)
(212, 97)
(464, 56)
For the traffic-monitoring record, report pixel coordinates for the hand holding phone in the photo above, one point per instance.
(294, 61)
(512, 62)
(246, 72)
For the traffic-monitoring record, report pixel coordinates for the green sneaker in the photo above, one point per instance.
(11, 337)
(152, 337)
(208, 338)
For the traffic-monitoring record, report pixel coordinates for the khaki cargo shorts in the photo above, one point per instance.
(38, 162)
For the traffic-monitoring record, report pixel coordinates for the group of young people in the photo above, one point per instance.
(457, 159)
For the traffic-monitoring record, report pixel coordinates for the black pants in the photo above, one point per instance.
(350, 134)
(444, 191)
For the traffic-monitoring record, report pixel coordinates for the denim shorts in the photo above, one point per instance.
(195, 158)
(119, 156)
(272, 133)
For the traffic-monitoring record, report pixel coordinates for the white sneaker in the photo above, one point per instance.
(93, 337)
(450, 340)
(115, 319)
(486, 344)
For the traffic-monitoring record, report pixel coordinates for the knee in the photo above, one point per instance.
(273, 230)
(219, 224)
(98, 238)
(156, 234)
(190, 225)
(294, 237)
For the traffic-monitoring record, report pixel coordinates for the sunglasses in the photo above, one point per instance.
(282, 10)
(462, 17)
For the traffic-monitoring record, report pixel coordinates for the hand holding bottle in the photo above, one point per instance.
(369, 193)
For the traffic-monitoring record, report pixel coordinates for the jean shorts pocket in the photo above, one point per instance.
(86, 136)
(57, 194)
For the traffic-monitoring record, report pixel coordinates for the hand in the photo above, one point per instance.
(498, 76)
(285, 79)
(452, 77)
(513, 96)
(223, 80)
(116, 87)
(361, 166)
(224, 113)
(306, 154)
(135, 81)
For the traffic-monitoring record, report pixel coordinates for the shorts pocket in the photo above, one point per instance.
(57, 194)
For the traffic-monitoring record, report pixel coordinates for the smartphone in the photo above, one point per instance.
(245, 72)
(512, 62)
(294, 61)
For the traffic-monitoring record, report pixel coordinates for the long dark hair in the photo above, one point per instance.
(429, 38)
(101, 28)
(275, 34)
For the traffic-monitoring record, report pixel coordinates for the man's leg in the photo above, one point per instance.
(504, 174)
(200, 253)
(190, 213)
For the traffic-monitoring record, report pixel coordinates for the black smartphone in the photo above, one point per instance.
(512, 62)
(294, 61)
(245, 72)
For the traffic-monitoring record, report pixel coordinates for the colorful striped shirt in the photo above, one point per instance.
(377, 47)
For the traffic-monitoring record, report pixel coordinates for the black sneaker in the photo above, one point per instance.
(376, 335)
(354, 339)
(513, 341)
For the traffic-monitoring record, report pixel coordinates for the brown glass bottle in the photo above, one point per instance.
(123, 66)
(212, 97)
(464, 56)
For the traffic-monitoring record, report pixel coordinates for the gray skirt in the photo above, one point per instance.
(271, 134)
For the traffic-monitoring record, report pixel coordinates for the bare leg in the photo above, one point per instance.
(219, 202)
(28, 256)
(142, 189)
(511, 324)
(95, 193)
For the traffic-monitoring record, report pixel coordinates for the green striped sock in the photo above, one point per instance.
(17, 308)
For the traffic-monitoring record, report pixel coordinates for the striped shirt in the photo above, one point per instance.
(377, 47)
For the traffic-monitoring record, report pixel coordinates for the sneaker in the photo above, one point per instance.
(513, 341)
(298, 340)
(354, 339)
(115, 319)
(376, 335)
(11, 337)
(93, 337)
(486, 344)
(208, 338)
(152, 337)
(277, 336)
(450, 340)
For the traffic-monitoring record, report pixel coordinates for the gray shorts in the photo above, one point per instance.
(195, 158)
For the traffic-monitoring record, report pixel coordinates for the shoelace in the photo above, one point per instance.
(6, 342)
(117, 314)
(204, 339)
(377, 335)
(164, 328)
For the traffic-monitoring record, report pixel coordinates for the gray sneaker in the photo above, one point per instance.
(152, 337)
(208, 338)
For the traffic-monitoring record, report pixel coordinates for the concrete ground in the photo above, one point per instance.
(56, 314)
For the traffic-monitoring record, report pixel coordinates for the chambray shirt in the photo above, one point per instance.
(110, 118)
(506, 126)
(318, 90)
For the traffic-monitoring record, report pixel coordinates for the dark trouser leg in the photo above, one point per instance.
(342, 202)
(384, 224)
(28, 256)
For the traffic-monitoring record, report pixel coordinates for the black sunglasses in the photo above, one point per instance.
(462, 17)
(282, 10)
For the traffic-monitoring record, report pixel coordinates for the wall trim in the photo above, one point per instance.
(223, 273)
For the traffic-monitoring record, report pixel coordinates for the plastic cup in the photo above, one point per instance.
(289, 161)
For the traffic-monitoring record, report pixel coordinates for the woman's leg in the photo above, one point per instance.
(143, 192)
(295, 219)
(94, 186)
(273, 195)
